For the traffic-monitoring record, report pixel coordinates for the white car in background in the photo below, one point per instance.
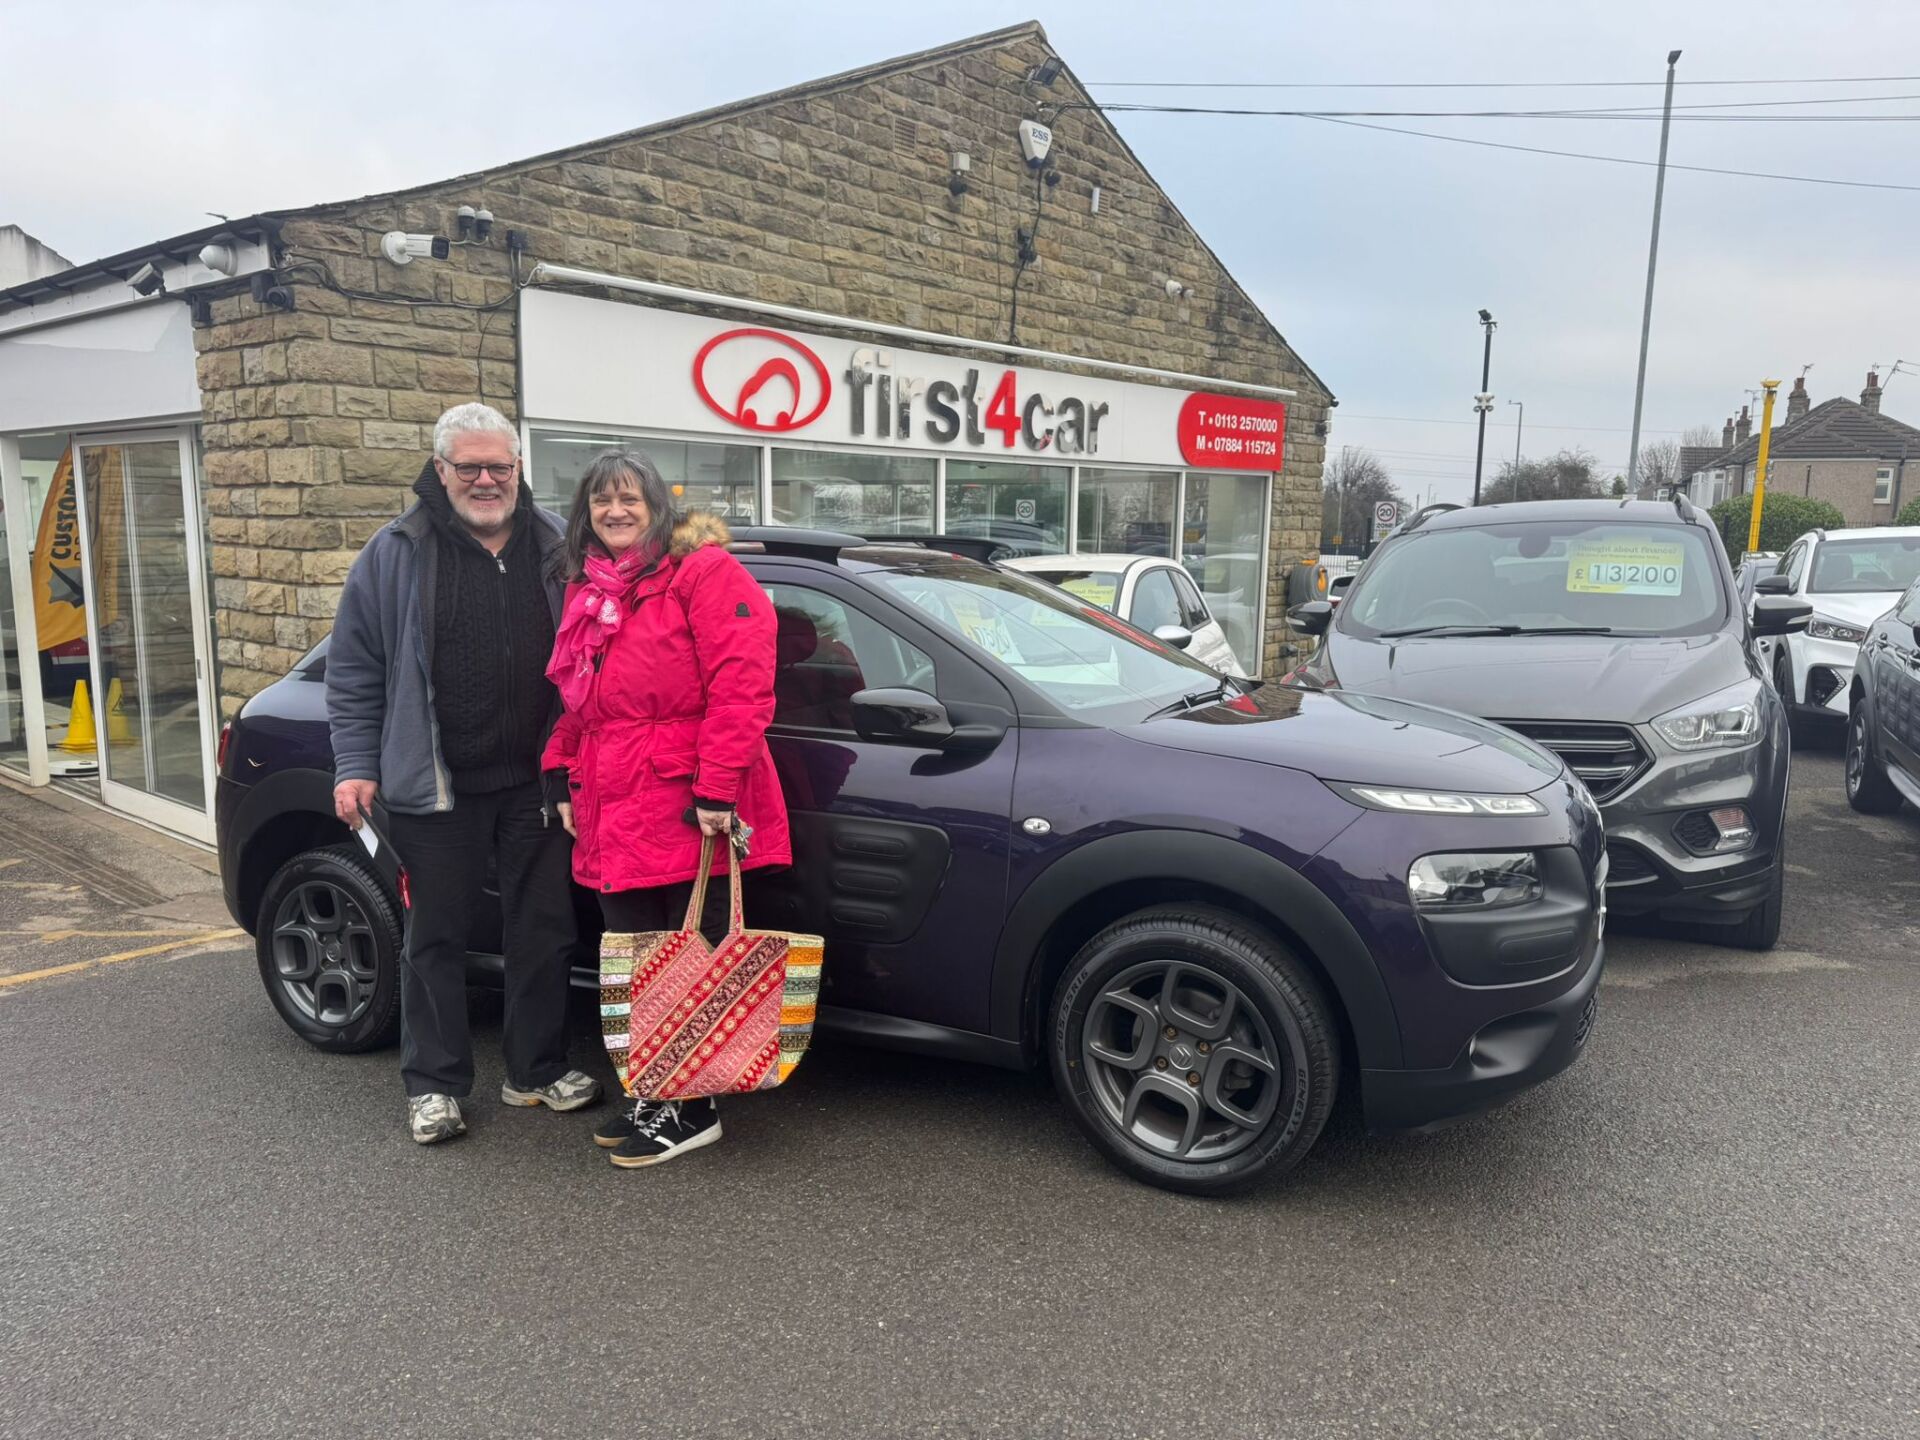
(1851, 578)
(1149, 591)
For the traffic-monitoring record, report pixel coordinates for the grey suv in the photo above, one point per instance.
(1611, 633)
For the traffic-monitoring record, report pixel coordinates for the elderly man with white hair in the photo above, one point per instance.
(439, 704)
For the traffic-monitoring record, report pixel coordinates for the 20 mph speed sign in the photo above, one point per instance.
(1386, 515)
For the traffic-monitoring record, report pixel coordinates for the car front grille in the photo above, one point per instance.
(1697, 832)
(1608, 758)
(1628, 865)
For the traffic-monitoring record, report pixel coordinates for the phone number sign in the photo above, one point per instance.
(1232, 432)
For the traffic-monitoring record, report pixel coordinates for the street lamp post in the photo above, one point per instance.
(1653, 254)
(1483, 402)
(1519, 427)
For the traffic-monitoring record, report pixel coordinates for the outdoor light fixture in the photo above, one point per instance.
(960, 166)
(147, 281)
(1046, 72)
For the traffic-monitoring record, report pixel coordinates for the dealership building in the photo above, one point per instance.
(859, 304)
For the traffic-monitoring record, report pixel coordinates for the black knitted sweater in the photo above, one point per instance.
(492, 636)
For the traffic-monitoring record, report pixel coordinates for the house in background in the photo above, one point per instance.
(1841, 451)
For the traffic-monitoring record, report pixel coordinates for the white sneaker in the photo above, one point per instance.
(572, 1091)
(433, 1118)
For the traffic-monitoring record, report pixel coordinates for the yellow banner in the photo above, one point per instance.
(59, 595)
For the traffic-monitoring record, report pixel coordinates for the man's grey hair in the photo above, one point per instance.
(473, 418)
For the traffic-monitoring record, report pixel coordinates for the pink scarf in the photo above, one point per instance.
(591, 618)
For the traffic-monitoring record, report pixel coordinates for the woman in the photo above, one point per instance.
(664, 660)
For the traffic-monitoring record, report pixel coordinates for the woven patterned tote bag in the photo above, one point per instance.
(684, 1018)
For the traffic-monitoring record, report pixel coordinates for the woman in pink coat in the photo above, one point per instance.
(664, 659)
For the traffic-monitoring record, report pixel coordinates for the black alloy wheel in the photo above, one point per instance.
(1868, 789)
(1194, 1049)
(329, 943)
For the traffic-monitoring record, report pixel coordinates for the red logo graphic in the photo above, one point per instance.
(757, 368)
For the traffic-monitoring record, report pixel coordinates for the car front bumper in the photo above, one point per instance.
(1504, 1057)
(1822, 674)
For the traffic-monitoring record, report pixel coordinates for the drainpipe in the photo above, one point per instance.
(1899, 478)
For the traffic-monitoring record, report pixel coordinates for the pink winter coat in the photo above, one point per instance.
(679, 708)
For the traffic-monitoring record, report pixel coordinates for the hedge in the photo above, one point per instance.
(1909, 513)
(1783, 520)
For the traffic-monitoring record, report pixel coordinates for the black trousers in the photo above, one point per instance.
(664, 907)
(446, 860)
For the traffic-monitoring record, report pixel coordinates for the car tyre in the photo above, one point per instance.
(1783, 677)
(1760, 930)
(1194, 1049)
(330, 943)
(1868, 789)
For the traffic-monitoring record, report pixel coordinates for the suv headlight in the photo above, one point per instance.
(1440, 802)
(1475, 881)
(1822, 628)
(1727, 720)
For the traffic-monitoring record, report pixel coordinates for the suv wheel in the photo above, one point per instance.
(1783, 675)
(1195, 1050)
(1761, 928)
(1868, 789)
(329, 942)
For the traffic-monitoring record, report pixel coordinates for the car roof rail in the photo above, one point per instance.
(1420, 516)
(791, 540)
(1819, 532)
(1683, 507)
(968, 547)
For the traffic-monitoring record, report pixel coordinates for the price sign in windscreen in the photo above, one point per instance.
(1624, 567)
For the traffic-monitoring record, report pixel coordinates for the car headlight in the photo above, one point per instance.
(1822, 628)
(1474, 881)
(1727, 720)
(1441, 802)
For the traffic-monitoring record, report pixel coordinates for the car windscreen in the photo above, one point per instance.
(1540, 575)
(1086, 662)
(1860, 567)
(1096, 587)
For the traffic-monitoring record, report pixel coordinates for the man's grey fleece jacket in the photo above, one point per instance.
(380, 660)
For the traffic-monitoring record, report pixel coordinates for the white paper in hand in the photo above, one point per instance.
(368, 838)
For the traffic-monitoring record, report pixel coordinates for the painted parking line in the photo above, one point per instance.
(8, 982)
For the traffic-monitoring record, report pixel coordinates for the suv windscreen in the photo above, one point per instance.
(1860, 567)
(1092, 666)
(1607, 575)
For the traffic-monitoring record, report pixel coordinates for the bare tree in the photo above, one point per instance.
(1569, 475)
(1700, 435)
(1660, 467)
(1349, 489)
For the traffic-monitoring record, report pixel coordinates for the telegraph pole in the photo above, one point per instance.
(1483, 402)
(1653, 254)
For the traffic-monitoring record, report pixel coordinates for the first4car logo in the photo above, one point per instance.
(761, 380)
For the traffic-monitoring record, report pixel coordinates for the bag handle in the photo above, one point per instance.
(697, 901)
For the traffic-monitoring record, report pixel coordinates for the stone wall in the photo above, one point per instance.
(834, 198)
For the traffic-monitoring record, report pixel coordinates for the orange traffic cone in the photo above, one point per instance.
(118, 731)
(80, 737)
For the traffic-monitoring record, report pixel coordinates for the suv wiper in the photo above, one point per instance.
(1450, 630)
(1565, 630)
(1193, 701)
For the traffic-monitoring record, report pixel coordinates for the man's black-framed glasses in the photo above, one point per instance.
(471, 473)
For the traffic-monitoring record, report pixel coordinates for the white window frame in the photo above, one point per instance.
(1883, 485)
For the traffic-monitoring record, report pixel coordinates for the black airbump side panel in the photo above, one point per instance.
(854, 879)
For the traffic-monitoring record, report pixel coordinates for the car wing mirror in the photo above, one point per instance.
(1774, 585)
(1178, 636)
(1778, 615)
(1312, 618)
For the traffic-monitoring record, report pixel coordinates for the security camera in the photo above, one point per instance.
(219, 257)
(147, 280)
(402, 248)
(1177, 291)
(1035, 141)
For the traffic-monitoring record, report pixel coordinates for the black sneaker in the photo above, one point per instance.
(626, 1119)
(668, 1131)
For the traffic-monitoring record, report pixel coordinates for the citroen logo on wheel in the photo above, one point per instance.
(761, 380)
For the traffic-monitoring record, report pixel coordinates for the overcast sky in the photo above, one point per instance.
(1372, 252)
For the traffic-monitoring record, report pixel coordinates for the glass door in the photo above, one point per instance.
(147, 622)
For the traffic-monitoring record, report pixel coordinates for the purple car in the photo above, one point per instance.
(1033, 834)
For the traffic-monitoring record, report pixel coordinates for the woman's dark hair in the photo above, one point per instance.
(609, 469)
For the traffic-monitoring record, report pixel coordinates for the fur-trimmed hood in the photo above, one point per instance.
(697, 528)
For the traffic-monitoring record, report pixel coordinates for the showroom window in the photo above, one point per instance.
(723, 480)
(1224, 548)
(1127, 512)
(862, 494)
(1022, 506)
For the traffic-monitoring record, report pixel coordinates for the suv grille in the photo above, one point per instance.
(1608, 758)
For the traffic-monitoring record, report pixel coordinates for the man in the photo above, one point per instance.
(439, 702)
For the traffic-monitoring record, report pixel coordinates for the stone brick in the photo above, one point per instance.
(235, 467)
(307, 533)
(395, 370)
(393, 435)
(386, 500)
(441, 372)
(398, 467)
(303, 399)
(360, 402)
(324, 360)
(279, 500)
(282, 565)
(290, 467)
(331, 434)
